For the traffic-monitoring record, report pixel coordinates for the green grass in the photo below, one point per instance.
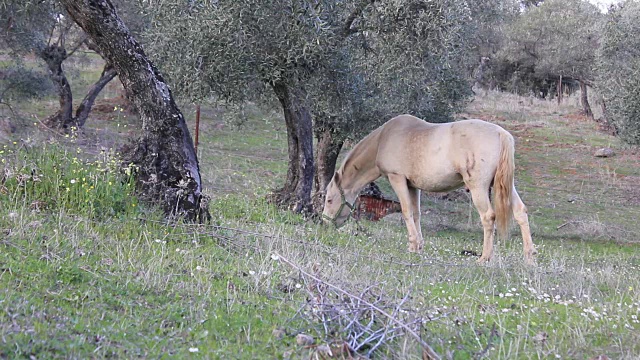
(91, 273)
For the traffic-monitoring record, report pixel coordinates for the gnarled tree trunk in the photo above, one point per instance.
(296, 192)
(327, 151)
(54, 56)
(584, 99)
(168, 171)
(480, 81)
(83, 110)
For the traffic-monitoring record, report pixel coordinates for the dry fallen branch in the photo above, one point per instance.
(355, 303)
(493, 334)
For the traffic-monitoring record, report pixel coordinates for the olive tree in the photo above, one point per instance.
(240, 50)
(20, 83)
(489, 19)
(619, 66)
(42, 28)
(168, 171)
(558, 39)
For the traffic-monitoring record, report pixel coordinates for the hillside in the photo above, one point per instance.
(86, 272)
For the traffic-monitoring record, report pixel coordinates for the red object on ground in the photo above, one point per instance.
(375, 208)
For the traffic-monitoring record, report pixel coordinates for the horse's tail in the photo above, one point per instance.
(503, 184)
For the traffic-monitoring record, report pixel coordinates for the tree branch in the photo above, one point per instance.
(8, 106)
(347, 29)
(9, 23)
(429, 353)
(530, 52)
(77, 46)
(492, 334)
(53, 29)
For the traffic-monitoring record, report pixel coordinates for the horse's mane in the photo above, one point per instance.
(358, 148)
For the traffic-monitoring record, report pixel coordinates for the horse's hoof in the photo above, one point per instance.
(530, 260)
(483, 260)
(415, 248)
(529, 256)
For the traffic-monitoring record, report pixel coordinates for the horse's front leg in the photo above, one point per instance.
(407, 196)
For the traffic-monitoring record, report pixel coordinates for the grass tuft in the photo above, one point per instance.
(50, 177)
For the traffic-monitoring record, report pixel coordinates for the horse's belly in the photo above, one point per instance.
(437, 183)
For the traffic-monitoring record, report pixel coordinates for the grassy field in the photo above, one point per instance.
(87, 272)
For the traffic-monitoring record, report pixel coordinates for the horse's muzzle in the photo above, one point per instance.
(332, 220)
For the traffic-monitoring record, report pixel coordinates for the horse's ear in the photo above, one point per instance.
(336, 178)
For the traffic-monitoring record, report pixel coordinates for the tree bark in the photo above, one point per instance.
(603, 106)
(479, 78)
(559, 90)
(584, 99)
(296, 192)
(168, 173)
(53, 56)
(327, 151)
(83, 110)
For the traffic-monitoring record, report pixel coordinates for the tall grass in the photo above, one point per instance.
(50, 177)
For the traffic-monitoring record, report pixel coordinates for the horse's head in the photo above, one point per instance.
(337, 207)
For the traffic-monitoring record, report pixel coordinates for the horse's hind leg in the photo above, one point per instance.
(414, 194)
(407, 195)
(521, 217)
(480, 196)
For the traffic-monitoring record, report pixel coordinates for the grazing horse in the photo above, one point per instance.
(416, 155)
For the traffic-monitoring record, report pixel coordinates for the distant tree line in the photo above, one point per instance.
(550, 47)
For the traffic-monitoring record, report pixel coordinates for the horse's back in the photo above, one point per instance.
(439, 157)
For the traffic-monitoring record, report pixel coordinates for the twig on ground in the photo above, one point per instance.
(563, 225)
(492, 334)
(428, 351)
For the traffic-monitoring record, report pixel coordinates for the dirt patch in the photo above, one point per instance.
(578, 117)
(6, 128)
(113, 106)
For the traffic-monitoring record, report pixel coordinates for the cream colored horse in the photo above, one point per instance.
(415, 155)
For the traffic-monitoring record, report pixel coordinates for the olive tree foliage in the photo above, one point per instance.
(619, 69)
(530, 3)
(418, 53)
(237, 49)
(489, 20)
(557, 39)
(21, 83)
(26, 25)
